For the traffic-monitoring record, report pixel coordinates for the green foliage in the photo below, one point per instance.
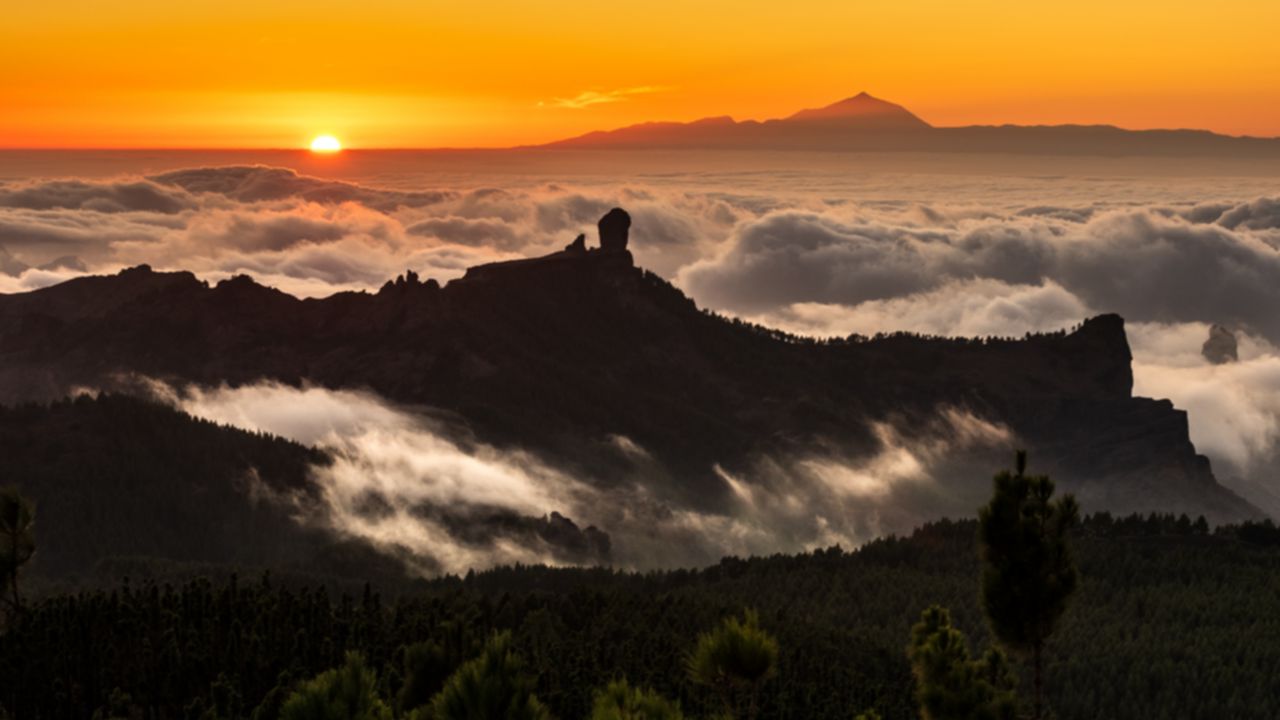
(1028, 572)
(949, 684)
(735, 659)
(17, 542)
(868, 715)
(349, 692)
(620, 701)
(493, 686)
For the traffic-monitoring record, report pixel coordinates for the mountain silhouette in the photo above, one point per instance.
(863, 123)
(566, 353)
(864, 111)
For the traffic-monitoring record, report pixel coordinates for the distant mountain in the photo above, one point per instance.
(867, 124)
(564, 354)
(863, 110)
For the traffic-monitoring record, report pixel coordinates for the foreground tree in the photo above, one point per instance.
(1028, 572)
(493, 686)
(426, 667)
(17, 543)
(735, 659)
(349, 692)
(949, 684)
(620, 701)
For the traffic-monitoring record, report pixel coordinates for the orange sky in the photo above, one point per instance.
(416, 73)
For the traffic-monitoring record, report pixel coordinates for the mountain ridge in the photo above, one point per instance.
(864, 123)
(564, 353)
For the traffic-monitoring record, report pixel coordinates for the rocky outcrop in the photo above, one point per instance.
(559, 353)
(578, 246)
(1221, 346)
(614, 228)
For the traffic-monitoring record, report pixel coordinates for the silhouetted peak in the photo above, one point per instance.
(407, 282)
(614, 228)
(1109, 325)
(1221, 347)
(715, 120)
(1103, 339)
(865, 109)
(237, 281)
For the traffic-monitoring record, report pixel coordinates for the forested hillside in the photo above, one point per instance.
(1170, 621)
(122, 482)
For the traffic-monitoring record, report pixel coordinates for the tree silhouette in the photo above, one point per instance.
(426, 667)
(734, 658)
(620, 701)
(950, 685)
(493, 686)
(1028, 572)
(17, 542)
(349, 692)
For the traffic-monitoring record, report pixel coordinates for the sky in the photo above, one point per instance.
(400, 73)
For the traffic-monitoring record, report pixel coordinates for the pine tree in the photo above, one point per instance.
(736, 657)
(425, 669)
(949, 684)
(493, 686)
(1028, 572)
(620, 701)
(349, 692)
(17, 542)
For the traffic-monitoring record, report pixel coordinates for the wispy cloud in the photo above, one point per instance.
(587, 98)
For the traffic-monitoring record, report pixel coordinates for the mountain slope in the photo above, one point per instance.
(864, 123)
(864, 111)
(565, 354)
(116, 479)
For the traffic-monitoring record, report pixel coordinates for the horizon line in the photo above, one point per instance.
(549, 144)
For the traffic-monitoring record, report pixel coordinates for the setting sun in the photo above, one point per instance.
(325, 144)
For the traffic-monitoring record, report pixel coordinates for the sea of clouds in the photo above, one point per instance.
(821, 254)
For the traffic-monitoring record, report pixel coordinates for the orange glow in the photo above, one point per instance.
(417, 73)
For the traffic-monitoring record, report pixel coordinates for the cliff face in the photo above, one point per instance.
(561, 353)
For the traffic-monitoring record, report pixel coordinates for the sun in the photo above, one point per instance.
(325, 144)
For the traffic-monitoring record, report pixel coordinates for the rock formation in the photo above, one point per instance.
(614, 227)
(555, 353)
(1221, 347)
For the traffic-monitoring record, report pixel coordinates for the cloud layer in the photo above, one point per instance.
(820, 253)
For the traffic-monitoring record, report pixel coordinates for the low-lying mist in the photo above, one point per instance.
(420, 488)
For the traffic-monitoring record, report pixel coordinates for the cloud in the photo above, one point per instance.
(1143, 263)
(1233, 409)
(587, 98)
(466, 231)
(138, 195)
(312, 236)
(813, 252)
(425, 491)
(258, 183)
(403, 482)
(967, 308)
